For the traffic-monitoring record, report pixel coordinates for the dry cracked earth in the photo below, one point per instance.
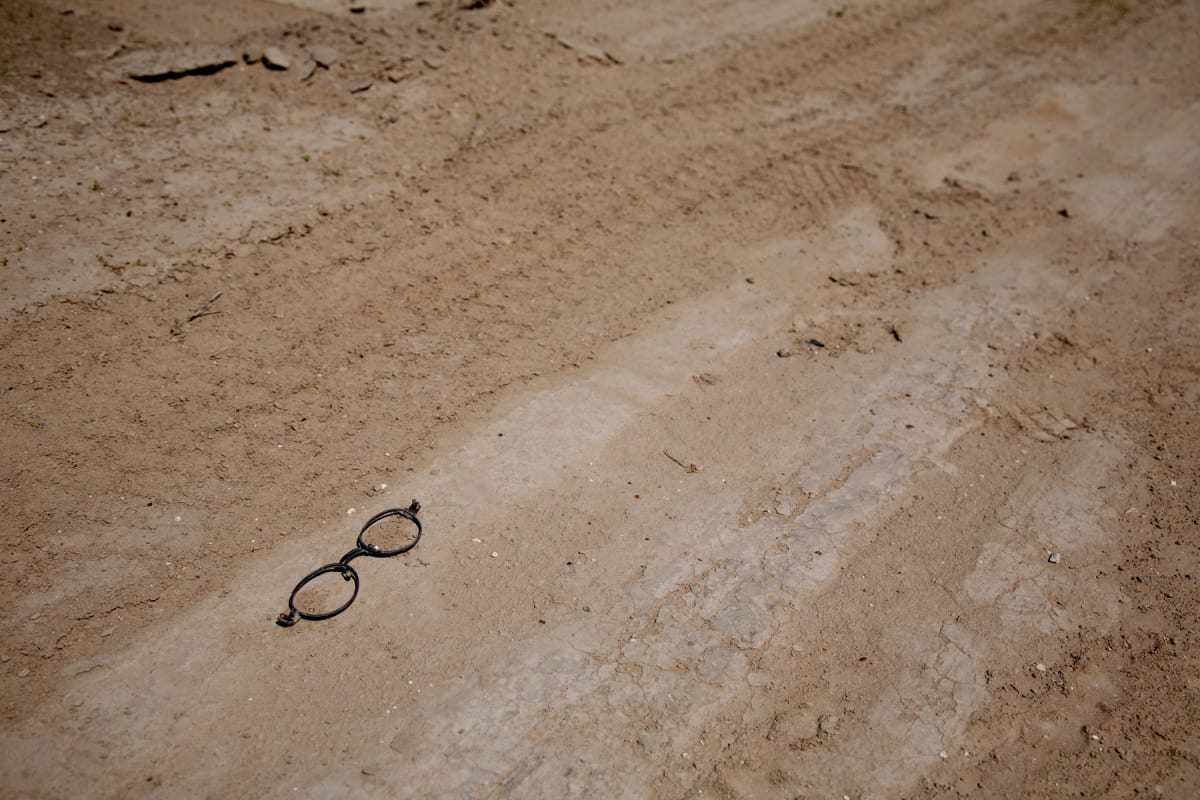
(802, 397)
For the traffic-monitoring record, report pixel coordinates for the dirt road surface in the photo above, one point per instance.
(803, 397)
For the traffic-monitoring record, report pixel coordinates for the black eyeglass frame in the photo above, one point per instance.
(342, 565)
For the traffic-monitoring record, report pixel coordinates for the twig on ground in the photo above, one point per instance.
(204, 312)
(688, 467)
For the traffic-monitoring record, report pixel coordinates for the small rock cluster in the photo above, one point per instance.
(276, 58)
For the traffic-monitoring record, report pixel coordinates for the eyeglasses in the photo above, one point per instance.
(342, 566)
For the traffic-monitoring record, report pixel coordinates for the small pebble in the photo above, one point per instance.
(587, 608)
(23, 673)
(477, 541)
(275, 58)
(783, 352)
(495, 554)
(350, 511)
(1040, 667)
(1054, 558)
(325, 56)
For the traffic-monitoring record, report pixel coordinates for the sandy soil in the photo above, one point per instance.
(750, 359)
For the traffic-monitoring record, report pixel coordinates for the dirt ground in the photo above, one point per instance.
(803, 397)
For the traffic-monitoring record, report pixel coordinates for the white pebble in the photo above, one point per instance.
(381, 487)
(477, 541)
(495, 555)
(350, 511)
(1040, 667)
(178, 518)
